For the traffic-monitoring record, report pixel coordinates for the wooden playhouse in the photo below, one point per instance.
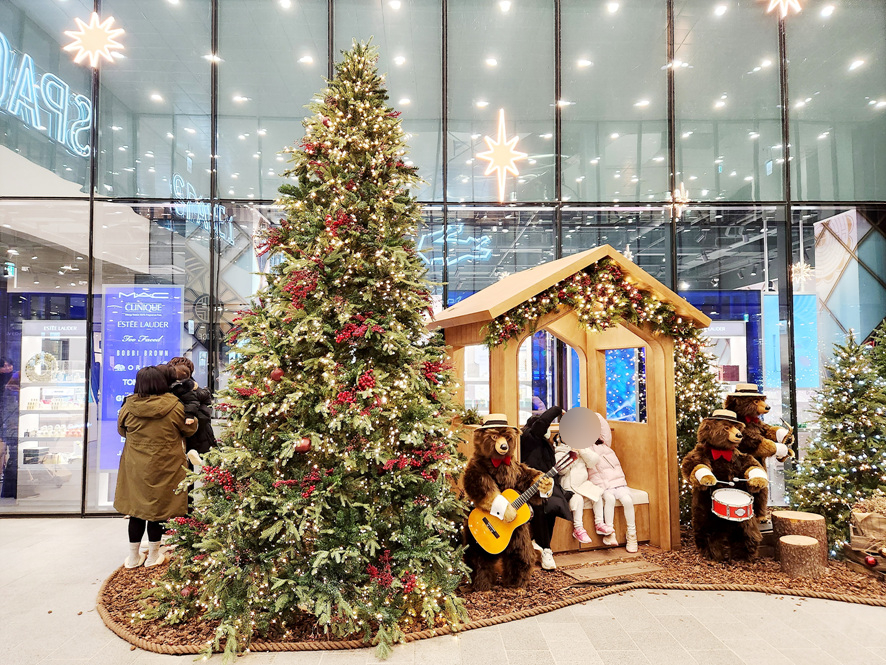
(646, 448)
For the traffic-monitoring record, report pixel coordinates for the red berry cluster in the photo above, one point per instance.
(274, 238)
(222, 478)
(409, 582)
(355, 331)
(366, 380)
(342, 219)
(247, 392)
(431, 370)
(393, 114)
(284, 483)
(417, 458)
(196, 525)
(199, 557)
(310, 148)
(383, 577)
(430, 474)
(301, 284)
(346, 397)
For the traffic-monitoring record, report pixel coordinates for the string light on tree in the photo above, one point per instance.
(95, 40)
(502, 155)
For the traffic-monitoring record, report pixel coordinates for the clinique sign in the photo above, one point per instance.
(43, 102)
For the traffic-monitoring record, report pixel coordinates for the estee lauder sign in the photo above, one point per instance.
(43, 101)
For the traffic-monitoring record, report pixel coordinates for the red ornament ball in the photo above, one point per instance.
(276, 374)
(870, 560)
(303, 446)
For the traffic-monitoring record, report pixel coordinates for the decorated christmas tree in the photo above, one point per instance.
(698, 393)
(878, 350)
(846, 461)
(331, 499)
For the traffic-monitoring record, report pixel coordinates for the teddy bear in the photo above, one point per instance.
(715, 459)
(760, 440)
(491, 470)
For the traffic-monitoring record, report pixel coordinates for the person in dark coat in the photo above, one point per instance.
(537, 452)
(197, 403)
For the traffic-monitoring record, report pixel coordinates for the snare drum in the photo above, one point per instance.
(732, 504)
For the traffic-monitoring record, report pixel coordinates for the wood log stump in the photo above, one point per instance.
(800, 556)
(795, 523)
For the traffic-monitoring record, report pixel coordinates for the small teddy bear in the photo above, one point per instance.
(760, 440)
(715, 459)
(491, 470)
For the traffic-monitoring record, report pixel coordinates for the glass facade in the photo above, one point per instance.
(130, 195)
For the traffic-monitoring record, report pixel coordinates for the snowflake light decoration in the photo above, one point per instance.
(679, 200)
(784, 6)
(95, 40)
(801, 272)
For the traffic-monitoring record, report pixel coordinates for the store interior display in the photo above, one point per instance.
(51, 408)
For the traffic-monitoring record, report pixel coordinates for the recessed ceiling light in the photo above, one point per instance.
(614, 135)
(504, 6)
(584, 63)
(492, 62)
(306, 59)
(156, 96)
(719, 104)
(719, 10)
(170, 135)
(212, 57)
(286, 4)
(856, 64)
(642, 103)
(827, 10)
(612, 7)
(405, 101)
(399, 60)
(190, 130)
(394, 4)
(241, 98)
(482, 105)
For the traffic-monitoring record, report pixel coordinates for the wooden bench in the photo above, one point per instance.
(562, 540)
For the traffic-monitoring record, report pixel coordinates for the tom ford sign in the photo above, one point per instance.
(43, 102)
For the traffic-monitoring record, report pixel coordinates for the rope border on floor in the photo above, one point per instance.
(182, 649)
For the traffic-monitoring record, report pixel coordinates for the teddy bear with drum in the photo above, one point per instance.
(723, 517)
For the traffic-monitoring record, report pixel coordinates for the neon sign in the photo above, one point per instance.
(43, 102)
(480, 247)
(194, 209)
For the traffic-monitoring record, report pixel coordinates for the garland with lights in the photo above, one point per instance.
(332, 494)
(602, 296)
(846, 460)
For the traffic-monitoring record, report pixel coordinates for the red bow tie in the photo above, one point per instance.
(725, 454)
(497, 462)
(751, 419)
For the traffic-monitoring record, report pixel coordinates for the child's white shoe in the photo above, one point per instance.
(194, 458)
(631, 544)
(547, 560)
(610, 540)
(135, 561)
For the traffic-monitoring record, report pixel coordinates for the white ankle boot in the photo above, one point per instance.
(631, 538)
(155, 556)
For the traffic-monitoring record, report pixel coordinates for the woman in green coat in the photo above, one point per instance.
(152, 462)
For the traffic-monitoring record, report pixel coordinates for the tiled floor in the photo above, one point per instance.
(50, 571)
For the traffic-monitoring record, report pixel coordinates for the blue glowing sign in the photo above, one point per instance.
(142, 326)
(196, 210)
(478, 248)
(43, 102)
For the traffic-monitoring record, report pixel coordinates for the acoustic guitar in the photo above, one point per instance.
(493, 534)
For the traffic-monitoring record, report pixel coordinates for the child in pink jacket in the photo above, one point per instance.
(608, 475)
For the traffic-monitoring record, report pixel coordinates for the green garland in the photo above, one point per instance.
(602, 296)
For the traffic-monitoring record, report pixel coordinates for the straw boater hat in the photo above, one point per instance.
(746, 390)
(724, 414)
(496, 420)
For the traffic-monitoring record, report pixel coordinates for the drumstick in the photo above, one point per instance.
(726, 482)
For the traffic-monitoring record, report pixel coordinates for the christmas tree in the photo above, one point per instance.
(331, 496)
(878, 348)
(846, 461)
(698, 394)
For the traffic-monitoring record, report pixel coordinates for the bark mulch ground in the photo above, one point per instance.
(683, 566)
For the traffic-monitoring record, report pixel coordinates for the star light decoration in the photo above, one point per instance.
(95, 40)
(501, 155)
(784, 6)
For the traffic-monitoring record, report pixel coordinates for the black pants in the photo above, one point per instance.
(137, 530)
(542, 526)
